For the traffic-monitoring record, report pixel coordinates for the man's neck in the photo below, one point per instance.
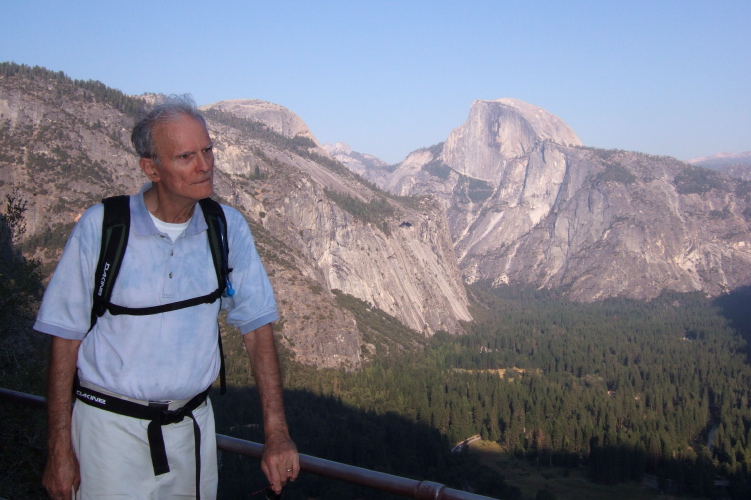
(171, 213)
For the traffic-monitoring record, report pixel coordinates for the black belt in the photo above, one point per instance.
(159, 415)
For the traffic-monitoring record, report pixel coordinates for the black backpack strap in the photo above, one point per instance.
(219, 245)
(218, 242)
(209, 298)
(115, 231)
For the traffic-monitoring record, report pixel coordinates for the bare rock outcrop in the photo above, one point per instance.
(528, 204)
(318, 227)
(498, 131)
(360, 163)
(276, 117)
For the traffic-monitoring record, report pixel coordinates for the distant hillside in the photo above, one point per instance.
(352, 280)
(511, 197)
(737, 166)
(719, 160)
(528, 204)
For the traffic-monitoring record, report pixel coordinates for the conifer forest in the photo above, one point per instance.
(621, 388)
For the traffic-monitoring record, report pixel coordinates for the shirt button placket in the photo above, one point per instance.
(169, 284)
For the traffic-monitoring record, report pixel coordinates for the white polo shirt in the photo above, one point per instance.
(172, 355)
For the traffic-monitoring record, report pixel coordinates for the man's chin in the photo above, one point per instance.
(206, 187)
(209, 191)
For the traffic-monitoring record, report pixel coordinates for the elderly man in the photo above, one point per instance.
(122, 367)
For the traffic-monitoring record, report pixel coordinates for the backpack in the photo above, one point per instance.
(115, 231)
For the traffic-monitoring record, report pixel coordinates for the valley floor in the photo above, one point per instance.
(571, 485)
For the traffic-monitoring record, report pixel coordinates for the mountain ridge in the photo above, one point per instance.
(722, 158)
(511, 197)
(545, 211)
(66, 146)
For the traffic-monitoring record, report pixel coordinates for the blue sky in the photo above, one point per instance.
(388, 77)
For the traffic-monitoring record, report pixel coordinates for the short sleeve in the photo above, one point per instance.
(253, 304)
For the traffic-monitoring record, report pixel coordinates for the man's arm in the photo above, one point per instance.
(280, 461)
(61, 474)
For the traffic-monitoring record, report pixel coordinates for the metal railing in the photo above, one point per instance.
(411, 488)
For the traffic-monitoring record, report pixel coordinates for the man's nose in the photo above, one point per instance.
(205, 162)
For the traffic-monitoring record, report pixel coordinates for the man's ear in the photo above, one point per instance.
(149, 168)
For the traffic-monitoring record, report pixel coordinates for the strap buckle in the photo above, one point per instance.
(168, 417)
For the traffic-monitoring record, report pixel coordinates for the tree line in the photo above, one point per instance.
(623, 387)
(93, 90)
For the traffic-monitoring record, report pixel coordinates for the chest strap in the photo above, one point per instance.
(209, 298)
(159, 415)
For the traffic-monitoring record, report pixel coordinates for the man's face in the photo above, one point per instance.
(185, 170)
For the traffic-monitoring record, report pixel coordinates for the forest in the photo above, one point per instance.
(622, 388)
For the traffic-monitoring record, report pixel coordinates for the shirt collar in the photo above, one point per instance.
(144, 226)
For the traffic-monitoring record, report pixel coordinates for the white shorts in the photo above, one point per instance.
(115, 460)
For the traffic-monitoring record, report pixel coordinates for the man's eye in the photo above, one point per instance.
(209, 149)
(186, 156)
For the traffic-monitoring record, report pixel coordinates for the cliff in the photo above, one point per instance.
(319, 228)
(528, 204)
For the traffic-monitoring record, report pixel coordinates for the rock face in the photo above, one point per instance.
(278, 118)
(527, 204)
(513, 198)
(359, 163)
(65, 147)
(396, 268)
(497, 131)
(740, 171)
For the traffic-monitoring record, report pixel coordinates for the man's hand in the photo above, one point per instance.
(61, 474)
(280, 461)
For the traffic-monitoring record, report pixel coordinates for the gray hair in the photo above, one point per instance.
(173, 107)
